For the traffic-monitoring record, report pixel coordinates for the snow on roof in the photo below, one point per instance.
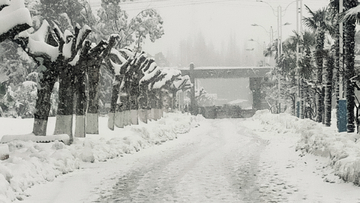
(227, 67)
(37, 44)
(13, 15)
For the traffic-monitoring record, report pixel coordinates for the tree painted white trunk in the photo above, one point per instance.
(134, 117)
(111, 121)
(92, 123)
(153, 114)
(127, 118)
(40, 127)
(119, 119)
(148, 114)
(63, 125)
(80, 126)
(143, 115)
(157, 114)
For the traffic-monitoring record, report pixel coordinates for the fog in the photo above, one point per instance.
(227, 90)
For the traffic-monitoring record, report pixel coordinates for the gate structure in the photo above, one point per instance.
(255, 75)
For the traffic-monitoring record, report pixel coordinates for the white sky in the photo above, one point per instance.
(216, 19)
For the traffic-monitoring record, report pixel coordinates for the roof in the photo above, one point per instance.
(227, 72)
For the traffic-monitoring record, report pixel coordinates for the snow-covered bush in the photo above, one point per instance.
(21, 101)
(342, 149)
(34, 163)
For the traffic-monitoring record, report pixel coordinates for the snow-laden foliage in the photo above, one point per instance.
(20, 101)
(32, 163)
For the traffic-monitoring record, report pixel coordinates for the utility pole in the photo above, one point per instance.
(299, 103)
(279, 31)
(342, 110)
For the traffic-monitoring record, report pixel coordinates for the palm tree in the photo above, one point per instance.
(349, 51)
(334, 17)
(306, 68)
(317, 23)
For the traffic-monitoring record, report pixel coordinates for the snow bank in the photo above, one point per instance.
(34, 163)
(342, 149)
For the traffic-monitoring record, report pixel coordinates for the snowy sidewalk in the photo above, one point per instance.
(292, 175)
(33, 163)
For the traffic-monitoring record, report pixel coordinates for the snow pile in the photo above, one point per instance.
(34, 163)
(343, 149)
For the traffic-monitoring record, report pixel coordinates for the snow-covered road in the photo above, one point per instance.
(225, 160)
(217, 165)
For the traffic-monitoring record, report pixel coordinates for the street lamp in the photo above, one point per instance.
(279, 16)
(263, 50)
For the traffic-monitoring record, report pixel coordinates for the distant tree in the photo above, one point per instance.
(161, 60)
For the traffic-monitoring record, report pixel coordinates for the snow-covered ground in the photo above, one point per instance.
(299, 160)
(37, 163)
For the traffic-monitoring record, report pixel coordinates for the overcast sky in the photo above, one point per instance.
(216, 19)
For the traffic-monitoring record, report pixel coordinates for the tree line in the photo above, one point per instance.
(321, 70)
(69, 47)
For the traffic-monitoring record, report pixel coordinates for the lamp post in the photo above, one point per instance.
(341, 111)
(279, 14)
(270, 32)
(263, 49)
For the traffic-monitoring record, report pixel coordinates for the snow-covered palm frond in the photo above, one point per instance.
(351, 14)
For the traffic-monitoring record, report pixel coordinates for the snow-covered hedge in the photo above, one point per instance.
(343, 149)
(33, 163)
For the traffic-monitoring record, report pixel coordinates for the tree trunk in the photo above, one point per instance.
(43, 104)
(319, 101)
(329, 66)
(80, 98)
(114, 99)
(173, 99)
(337, 72)
(349, 53)
(64, 117)
(143, 103)
(302, 94)
(134, 105)
(153, 105)
(320, 36)
(92, 116)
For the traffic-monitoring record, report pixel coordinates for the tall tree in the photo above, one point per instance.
(349, 53)
(317, 23)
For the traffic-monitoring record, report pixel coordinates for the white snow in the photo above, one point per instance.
(14, 14)
(82, 31)
(36, 163)
(4, 2)
(37, 44)
(170, 72)
(150, 73)
(67, 52)
(302, 160)
(4, 151)
(118, 54)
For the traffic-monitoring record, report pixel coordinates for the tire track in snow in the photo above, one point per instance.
(218, 166)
